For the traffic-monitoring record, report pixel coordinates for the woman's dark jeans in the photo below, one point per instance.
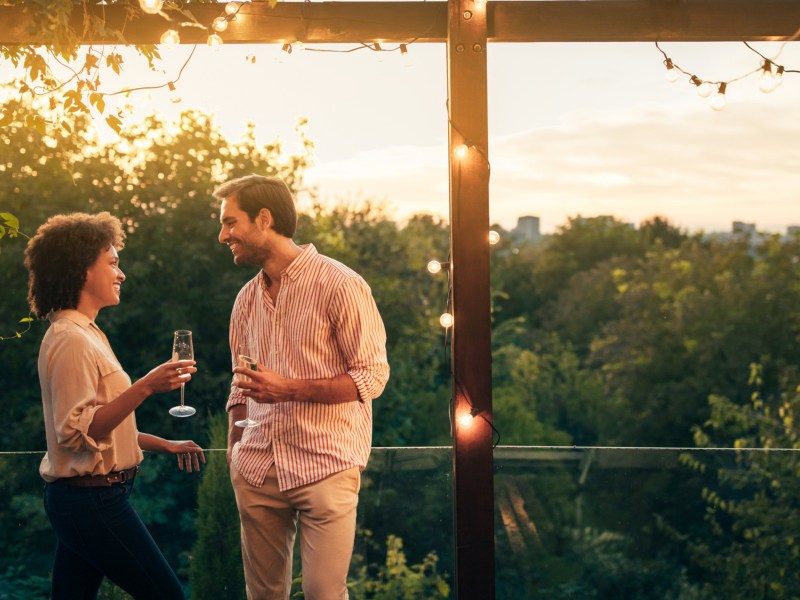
(100, 534)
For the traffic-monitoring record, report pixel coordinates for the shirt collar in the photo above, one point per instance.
(75, 316)
(307, 255)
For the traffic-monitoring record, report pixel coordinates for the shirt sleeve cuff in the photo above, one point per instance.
(369, 386)
(235, 399)
(81, 426)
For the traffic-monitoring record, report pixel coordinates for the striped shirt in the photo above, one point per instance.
(323, 323)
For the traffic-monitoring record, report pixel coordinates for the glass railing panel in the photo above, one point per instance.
(646, 523)
(404, 524)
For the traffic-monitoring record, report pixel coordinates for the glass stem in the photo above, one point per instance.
(182, 385)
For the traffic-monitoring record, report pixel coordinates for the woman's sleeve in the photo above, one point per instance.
(74, 371)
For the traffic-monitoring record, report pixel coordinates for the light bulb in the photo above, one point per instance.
(151, 7)
(231, 8)
(298, 45)
(174, 97)
(466, 419)
(703, 87)
(434, 266)
(767, 83)
(219, 24)
(460, 151)
(170, 37)
(717, 101)
(672, 72)
(494, 237)
(779, 76)
(214, 40)
(446, 320)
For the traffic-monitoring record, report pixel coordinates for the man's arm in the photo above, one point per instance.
(268, 387)
(361, 338)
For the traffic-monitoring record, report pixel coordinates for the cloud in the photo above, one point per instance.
(700, 169)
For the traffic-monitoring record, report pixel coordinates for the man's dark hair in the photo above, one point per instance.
(58, 257)
(254, 192)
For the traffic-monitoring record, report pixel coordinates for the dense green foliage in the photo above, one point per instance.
(603, 335)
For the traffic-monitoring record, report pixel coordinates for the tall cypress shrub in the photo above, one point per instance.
(216, 562)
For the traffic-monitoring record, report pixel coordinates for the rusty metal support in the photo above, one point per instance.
(473, 497)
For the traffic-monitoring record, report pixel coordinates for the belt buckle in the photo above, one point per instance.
(122, 476)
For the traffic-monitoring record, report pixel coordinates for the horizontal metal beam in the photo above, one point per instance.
(509, 21)
(643, 20)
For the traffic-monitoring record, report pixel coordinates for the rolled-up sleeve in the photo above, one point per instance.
(75, 371)
(361, 337)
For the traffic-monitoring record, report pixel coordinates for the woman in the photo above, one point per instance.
(93, 446)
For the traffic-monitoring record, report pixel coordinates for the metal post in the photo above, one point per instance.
(473, 495)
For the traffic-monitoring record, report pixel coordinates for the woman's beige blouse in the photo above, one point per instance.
(79, 373)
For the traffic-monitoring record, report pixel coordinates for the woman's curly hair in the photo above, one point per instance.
(58, 257)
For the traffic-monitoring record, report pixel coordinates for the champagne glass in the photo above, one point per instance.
(182, 349)
(245, 361)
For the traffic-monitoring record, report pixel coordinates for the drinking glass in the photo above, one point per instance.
(182, 349)
(245, 361)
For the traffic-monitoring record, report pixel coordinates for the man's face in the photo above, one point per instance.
(240, 234)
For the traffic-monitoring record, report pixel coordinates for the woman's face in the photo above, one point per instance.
(103, 281)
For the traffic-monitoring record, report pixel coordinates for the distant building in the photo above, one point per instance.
(527, 229)
(740, 227)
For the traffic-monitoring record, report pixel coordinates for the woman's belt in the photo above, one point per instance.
(102, 480)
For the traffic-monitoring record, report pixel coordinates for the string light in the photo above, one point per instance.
(494, 237)
(151, 7)
(467, 418)
(768, 81)
(435, 266)
(174, 97)
(779, 75)
(704, 88)
(214, 40)
(460, 151)
(717, 101)
(170, 37)
(672, 72)
(231, 8)
(220, 24)
(446, 320)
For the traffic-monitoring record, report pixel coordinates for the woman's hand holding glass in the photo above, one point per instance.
(169, 376)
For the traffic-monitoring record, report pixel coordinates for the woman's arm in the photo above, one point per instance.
(189, 454)
(163, 378)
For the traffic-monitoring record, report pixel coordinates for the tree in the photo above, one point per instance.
(216, 563)
(751, 497)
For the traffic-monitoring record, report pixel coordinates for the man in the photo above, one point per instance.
(313, 327)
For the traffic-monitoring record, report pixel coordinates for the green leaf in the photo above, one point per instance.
(26, 320)
(10, 220)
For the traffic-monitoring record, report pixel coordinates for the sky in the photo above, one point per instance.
(575, 129)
